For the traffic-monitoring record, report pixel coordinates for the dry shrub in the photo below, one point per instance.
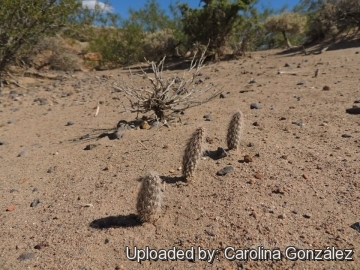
(158, 44)
(65, 61)
(323, 24)
(52, 52)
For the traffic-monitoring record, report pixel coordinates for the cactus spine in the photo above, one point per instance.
(193, 153)
(149, 198)
(234, 131)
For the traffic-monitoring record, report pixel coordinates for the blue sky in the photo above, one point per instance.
(122, 6)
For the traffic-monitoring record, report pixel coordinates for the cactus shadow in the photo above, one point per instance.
(172, 179)
(123, 221)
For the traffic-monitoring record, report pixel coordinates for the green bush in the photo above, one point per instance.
(286, 23)
(22, 23)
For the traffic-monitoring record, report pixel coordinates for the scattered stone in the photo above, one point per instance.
(13, 190)
(251, 144)
(207, 117)
(282, 216)
(225, 170)
(10, 208)
(90, 146)
(256, 106)
(2, 143)
(252, 80)
(258, 176)
(256, 124)
(26, 256)
(171, 171)
(145, 125)
(155, 123)
(326, 88)
(22, 153)
(221, 153)
(306, 216)
(41, 245)
(346, 136)
(222, 95)
(248, 159)
(42, 101)
(287, 65)
(51, 169)
(305, 176)
(35, 190)
(355, 226)
(301, 83)
(278, 190)
(298, 123)
(86, 136)
(284, 157)
(35, 202)
(69, 123)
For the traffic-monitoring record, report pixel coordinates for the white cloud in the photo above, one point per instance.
(91, 5)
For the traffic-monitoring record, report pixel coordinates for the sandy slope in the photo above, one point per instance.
(308, 194)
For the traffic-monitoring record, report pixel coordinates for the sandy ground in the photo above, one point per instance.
(63, 207)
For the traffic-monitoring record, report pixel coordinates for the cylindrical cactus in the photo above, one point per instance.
(193, 153)
(149, 198)
(234, 130)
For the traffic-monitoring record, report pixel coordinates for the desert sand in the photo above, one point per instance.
(63, 207)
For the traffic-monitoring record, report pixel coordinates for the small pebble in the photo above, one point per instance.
(248, 159)
(26, 256)
(306, 216)
(90, 146)
(256, 106)
(22, 153)
(356, 226)
(10, 208)
(35, 202)
(258, 176)
(69, 123)
(225, 170)
(145, 125)
(207, 117)
(346, 136)
(326, 88)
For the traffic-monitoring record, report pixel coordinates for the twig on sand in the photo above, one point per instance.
(142, 144)
(97, 110)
